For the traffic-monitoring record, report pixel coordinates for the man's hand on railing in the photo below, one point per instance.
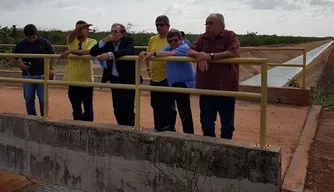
(202, 56)
(202, 59)
(142, 55)
(104, 56)
(65, 54)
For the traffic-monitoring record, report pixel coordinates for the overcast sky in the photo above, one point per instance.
(281, 17)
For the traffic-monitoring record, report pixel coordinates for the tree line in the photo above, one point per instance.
(11, 35)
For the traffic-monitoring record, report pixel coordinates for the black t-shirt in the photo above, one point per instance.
(40, 46)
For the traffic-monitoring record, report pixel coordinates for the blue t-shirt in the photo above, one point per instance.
(182, 72)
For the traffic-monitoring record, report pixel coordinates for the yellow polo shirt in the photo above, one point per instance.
(158, 68)
(80, 69)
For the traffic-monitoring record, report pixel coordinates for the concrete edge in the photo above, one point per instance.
(294, 180)
(105, 127)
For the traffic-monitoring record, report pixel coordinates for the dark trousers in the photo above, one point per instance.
(123, 102)
(209, 106)
(183, 106)
(78, 96)
(164, 113)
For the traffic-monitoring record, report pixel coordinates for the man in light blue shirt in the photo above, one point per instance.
(185, 40)
(179, 74)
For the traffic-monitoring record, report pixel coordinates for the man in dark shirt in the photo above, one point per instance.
(33, 68)
(216, 43)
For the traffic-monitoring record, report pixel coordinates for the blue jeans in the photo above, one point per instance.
(29, 91)
(209, 106)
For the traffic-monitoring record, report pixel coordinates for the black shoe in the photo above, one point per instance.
(166, 128)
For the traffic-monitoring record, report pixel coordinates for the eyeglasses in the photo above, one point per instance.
(173, 40)
(114, 31)
(160, 24)
(209, 23)
(80, 46)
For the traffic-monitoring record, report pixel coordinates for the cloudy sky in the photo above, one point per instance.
(281, 17)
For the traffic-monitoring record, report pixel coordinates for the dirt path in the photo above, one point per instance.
(321, 156)
(284, 123)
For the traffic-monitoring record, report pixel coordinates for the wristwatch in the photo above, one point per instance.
(212, 55)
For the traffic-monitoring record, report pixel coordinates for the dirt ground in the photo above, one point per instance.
(284, 123)
(321, 156)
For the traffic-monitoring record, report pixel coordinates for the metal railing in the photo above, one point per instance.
(303, 49)
(303, 65)
(138, 87)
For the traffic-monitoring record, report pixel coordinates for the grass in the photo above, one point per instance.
(323, 94)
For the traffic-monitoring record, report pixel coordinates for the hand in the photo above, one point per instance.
(203, 65)
(65, 54)
(142, 54)
(24, 67)
(109, 38)
(202, 56)
(104, 56)
(84, 26)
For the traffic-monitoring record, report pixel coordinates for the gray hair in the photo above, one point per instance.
(163, 18)
(220, 16)
(173, 32)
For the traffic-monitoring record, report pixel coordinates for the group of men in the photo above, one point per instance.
(215, 44)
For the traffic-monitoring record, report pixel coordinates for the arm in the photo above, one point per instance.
(79, 52)
(15, 61)
(233, 49)
(179, 51)
(99, 49)
(127, 49)
(76, 31)
(195, 47)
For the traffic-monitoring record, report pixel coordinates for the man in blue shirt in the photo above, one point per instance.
(179, 74)
(185, 39)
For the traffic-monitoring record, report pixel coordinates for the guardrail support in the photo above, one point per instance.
(263, 111)
(46, 88)
(304, 69)
(137, 97)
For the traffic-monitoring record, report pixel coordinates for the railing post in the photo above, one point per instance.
(304, 69)
(46, 88)
(264, 96)
(137, 97)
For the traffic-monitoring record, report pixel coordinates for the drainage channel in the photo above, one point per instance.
(278, 76)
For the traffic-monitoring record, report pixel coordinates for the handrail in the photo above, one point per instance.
(138, 88)
(303, 49)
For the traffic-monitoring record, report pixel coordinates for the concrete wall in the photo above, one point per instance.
(286, 95)
(100, 157)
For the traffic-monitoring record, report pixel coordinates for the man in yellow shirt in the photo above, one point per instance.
(80, 70)
(163, 106)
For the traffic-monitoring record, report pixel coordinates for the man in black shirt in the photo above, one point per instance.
(33, 68)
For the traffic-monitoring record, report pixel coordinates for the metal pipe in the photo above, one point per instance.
(137, 97)
(46, 88)
(264, 97)
(235, 94)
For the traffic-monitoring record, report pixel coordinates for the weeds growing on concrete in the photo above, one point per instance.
(323, 93)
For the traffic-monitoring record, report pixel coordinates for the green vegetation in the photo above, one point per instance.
(11, 35)
(293, 83)
(323, 93)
